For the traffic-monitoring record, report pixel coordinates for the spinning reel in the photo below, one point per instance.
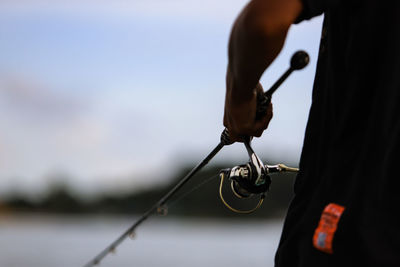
(250, 179)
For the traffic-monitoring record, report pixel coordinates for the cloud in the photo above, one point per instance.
(27, 99)
(96, 140)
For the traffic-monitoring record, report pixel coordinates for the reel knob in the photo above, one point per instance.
(299, 60)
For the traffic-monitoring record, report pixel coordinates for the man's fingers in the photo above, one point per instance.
(238, 126)
(260, 125)
(256, 129)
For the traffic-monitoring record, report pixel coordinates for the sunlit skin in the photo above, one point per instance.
(257, 37)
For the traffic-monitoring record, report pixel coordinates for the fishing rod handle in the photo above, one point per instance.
(225, 138)
(299, 60)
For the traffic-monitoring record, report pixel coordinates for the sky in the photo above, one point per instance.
(110, 95)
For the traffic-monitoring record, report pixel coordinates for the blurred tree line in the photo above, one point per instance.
(199, 197)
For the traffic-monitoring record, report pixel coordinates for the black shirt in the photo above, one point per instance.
(351, 149)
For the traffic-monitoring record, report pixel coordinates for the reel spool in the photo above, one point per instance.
(243, 181)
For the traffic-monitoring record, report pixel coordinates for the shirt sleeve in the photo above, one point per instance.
(313, 8)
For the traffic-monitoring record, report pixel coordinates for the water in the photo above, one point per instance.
(43, 241)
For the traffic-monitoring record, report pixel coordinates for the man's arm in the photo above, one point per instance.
(257, 37)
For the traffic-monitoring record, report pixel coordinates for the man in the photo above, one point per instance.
(346, 204)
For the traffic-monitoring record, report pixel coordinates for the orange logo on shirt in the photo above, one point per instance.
(323, 235)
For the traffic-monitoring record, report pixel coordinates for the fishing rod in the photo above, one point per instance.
(246, 180)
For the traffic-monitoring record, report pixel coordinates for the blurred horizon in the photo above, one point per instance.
(116, 95)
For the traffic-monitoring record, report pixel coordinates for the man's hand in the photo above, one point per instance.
(240, 115)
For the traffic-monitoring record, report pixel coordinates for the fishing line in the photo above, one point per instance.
(195, 188)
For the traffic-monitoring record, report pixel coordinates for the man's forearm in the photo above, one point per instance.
(256, 39)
